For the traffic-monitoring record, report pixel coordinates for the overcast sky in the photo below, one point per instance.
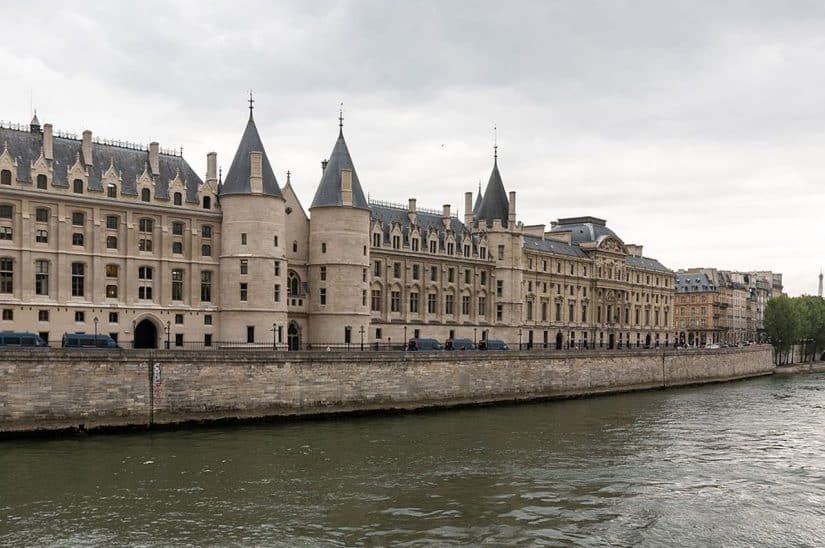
(697, 129)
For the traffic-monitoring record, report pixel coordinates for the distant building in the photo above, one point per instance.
(720, 306)
(129, 241)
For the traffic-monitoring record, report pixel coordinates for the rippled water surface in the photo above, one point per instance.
(738, 464)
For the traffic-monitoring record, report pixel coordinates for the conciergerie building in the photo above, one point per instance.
(109, 237)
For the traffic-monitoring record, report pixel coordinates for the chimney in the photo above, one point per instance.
(511, 214)
(212, 167)
(154, 157)
(411, 210)
(346, 187)
(445, 215)
(86, 147)
(48, 142)
(324, 164)
(256, 178)
(468, 209)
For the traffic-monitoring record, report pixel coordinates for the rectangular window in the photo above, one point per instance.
(80, 316)
(395, 301)
(113, 317)
(558, 312)
(145, 283)
(415, 273)
(323, 295)
(244, 267)
(111, 242)
(396, 270)
(376, 271)
(77, 238)
(206, 286)
(244, 291)
(482, 306)
(467, 276)
(6, 233)
(206, 231)
(41, 215)
(206, 250)
(414, 302)
(570, 313)
(465, 305)
(451, 275)
(42, 315)
(111, 291)
(178, 319)
(277, 293)
(499, 288)
(78, 218)
(323, 274)
(243, 239)
(177, 284)
(414, 244)
(432, 303)
(207, 319)
(78, 279)
(499, 312)
(544, 312)
(433, 273)
(376, 300)
(177, 229)
(41, 277)
(501, 252)
(483, 277)
(42, 236)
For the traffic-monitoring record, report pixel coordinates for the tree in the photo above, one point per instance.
(782, 324)
(811, 313)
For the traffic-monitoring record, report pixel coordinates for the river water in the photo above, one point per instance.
(738, 464)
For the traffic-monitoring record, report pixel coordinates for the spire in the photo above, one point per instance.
(494, 204)
(341, 119)
(477, 204)
(238, 177)
(495, 145)
(35, 123)
(329, 189)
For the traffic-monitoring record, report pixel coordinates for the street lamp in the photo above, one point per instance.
(96, 320)
(274, 336)
(475, 337)
(362, 337)
(405, 335)
(347, 334)
(168, 329)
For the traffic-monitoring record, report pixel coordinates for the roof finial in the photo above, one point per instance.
(288, 173)
(251, 103)
(495, 144)
(341, 116)
(220, 174)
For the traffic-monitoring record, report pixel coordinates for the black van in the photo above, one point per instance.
(459, 344)
(85, 340)
(424, 345)
(493, 344)
(21, 339)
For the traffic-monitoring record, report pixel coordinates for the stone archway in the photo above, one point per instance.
(146, 334)
(293, 336)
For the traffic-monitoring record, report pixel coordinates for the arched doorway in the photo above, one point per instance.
(146, 334)
(647, 341)
(558, 341)
(293, 336)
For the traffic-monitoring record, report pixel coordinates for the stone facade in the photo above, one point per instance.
(68, 389)
(120, 239)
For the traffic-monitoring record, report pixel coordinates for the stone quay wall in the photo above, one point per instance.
(60, 389)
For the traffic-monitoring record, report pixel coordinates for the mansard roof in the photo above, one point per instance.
(647, 263)
(584, 229)
(552, 246)
(329, 189)
(494, 205)
(237, 178)
(388, 214)
(129, 160)
(689, 282)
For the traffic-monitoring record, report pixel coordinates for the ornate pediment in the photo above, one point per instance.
(612, 244)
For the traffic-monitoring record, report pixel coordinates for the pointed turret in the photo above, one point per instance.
(477, 205)
(339, 184)
(35, 124)
(244, 173)
(494, 205)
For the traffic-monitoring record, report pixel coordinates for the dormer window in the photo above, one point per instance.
(111, 190)
(207, 202)
(415, 244)
(77, 186)
(145, 195)
(433, 245)
(376, 239)
(177, 198)
(5, 177)
(396, 242)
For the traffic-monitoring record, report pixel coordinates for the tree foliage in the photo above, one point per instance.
(790, 320)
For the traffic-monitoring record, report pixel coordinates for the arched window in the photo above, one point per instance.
(177, 248)
(77, 186)
(42, 182)
(207, 202)
(145, 195)
(177, 198)
(5, 177)
(293, 284)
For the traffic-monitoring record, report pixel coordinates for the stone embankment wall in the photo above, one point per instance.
(58, 389)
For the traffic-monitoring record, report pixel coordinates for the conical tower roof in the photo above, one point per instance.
(494, 205)
(477, 205)
(237, 178)
(329, 189)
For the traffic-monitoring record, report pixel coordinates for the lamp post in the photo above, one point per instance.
(274, 336)
(475, 339)
(347, 335)
(405, 337)
(96, 320)
(362, 337)
(519, 339)
(168, 329)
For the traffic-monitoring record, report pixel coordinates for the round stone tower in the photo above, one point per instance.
(253, 264)
(339, 254)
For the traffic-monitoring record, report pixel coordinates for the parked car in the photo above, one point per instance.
(459, 344)
(712, 346)
(493, 344)
(21, 339)
(85, 340)
(424, 345)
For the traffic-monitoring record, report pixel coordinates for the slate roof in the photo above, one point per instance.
(477, 205)
(553, 246)
(237, 178)
(494, 204)
(329, 189)
(389, 214)
(645, 262)
(25, 147)
(694, 282)
(584, 229)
